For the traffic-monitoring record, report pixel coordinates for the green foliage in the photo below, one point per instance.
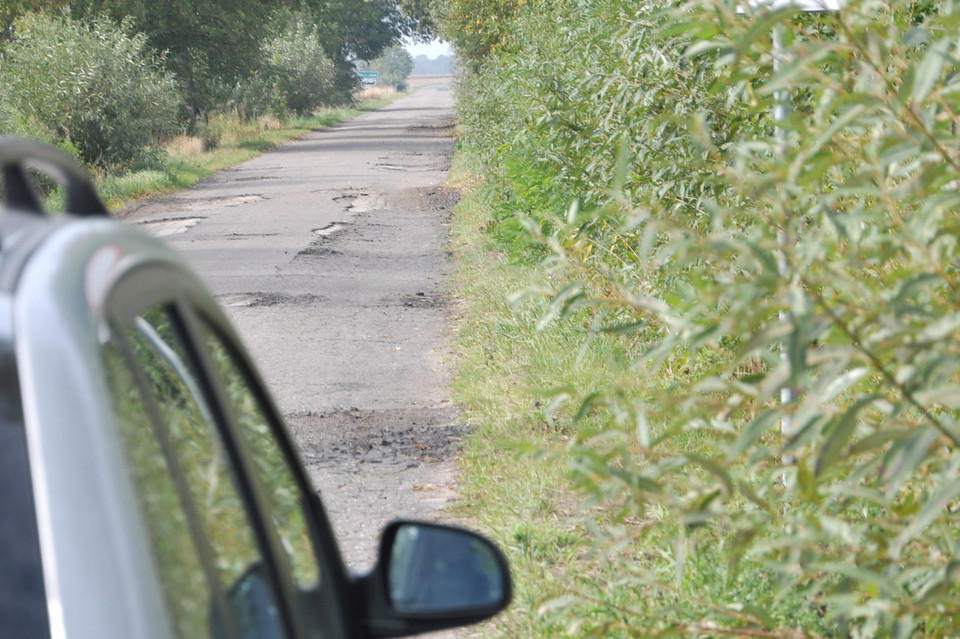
(208, 45)
(304, 74)
(10, 10)
(93, 87)
(733, 256)
(479, 28)
(351, 31)
(183, 62)
(217, 44)
(256, 95)
(364, 30)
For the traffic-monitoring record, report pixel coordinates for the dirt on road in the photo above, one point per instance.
(329, 255)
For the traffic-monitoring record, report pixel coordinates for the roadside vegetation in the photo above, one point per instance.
(648, 260)
(188, 159)
(118, 85)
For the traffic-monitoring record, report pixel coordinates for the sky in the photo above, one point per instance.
(432, 49)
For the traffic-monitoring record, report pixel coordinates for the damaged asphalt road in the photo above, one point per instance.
(329, 256)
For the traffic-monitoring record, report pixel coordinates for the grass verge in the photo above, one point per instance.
(515, 482)
(578, 571)
(234, 141)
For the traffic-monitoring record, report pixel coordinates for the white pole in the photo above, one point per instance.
(781, 110)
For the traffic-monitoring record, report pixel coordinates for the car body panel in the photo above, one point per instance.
(82, 493)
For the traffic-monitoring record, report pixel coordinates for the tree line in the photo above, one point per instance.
(422, 65)
(107, 78)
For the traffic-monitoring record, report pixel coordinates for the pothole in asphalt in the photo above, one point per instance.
(348, 199)
(423, 300)
(170, 226)
(207, 203)
(440, 199)
(444, 128)
(318, 251)
(250, 300)
(318, 248)
(359, 201)
(330, 229)
(433, 198)
(255, 178)
(367, 203)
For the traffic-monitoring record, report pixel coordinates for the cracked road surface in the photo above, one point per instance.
(329, 256)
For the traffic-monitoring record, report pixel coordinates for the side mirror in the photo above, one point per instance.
(430, 577)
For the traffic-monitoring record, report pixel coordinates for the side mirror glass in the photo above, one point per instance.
(439, 571)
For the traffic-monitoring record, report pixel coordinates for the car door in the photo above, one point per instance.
(291, 509)
(239, 540)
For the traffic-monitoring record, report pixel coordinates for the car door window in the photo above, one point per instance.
(196, 443)
(195, 452)
(184, 581)
(286, 500)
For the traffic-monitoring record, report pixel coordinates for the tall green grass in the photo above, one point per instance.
(513, 484)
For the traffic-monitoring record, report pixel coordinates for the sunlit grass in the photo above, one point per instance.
(523, 500)
(517, 482)
(227, 141)
(374, 97)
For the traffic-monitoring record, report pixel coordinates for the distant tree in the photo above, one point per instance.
(393, 66)
(422, 65)
(303, 72)
(352, 31)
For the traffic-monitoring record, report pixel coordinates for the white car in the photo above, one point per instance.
(148, 487)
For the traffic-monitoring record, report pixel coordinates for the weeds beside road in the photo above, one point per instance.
(518, 493)
(238, 140)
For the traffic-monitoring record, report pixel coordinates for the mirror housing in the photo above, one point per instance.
(430, 577)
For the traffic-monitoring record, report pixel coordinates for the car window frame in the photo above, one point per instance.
(193, 519)
(333, 607)
(150, 285)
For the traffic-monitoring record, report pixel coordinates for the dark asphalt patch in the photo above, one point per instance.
(440, 199)
(247, 236)
(423, 300)
(317, 251)
(252, 300)
(358, 437)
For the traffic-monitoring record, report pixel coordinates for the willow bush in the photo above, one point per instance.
(734, 256)
(304, 75)
(94, 88)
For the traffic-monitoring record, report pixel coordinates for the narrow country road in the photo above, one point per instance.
(329, 256)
